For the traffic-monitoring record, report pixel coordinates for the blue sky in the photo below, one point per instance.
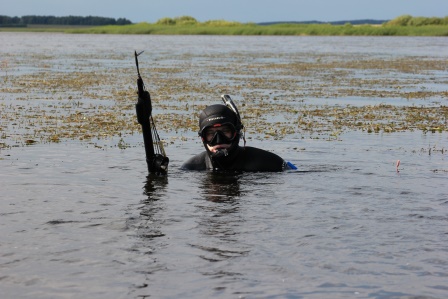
(231, 10)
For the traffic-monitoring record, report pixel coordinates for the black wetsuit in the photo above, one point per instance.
(241, 159)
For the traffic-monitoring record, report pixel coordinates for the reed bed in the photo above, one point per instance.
(276, 29)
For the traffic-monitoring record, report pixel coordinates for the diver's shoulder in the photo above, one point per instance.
(197, 162)
(257, 159)
(250, 150)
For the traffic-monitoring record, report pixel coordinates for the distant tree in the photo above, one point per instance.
(68, 20)
(122, 21)
(5, 20)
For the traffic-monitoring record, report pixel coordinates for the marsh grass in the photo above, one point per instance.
(234, 28)
(186, 25)
(189, 26)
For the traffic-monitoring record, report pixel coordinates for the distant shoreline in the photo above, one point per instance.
(402, 26)
(277, 29)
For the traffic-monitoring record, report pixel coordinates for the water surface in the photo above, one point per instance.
(80, 219)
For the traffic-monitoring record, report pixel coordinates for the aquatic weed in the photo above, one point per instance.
(304, 97)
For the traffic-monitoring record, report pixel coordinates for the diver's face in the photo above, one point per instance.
(219, 137)
(225, 131)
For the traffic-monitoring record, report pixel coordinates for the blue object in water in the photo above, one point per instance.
(291, 166)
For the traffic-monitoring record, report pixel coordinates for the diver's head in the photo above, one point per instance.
(220, 130)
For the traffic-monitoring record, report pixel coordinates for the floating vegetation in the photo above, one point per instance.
(309, 95)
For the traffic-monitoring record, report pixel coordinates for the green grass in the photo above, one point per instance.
(401, 26)
(278, 29)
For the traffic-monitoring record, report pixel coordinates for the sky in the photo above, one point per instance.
(243, 11)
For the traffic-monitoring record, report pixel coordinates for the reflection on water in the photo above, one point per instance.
(221, 187)
(149, 227)
(154, 185)
(220, 218)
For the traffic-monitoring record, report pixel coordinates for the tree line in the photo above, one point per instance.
(68, 20)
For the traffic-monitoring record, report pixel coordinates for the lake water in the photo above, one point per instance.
(80, 219)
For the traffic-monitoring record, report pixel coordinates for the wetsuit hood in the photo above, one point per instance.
(216, 115)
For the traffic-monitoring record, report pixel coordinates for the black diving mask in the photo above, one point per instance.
(219, 134)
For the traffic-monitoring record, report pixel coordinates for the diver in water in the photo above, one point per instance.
(221, 129)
